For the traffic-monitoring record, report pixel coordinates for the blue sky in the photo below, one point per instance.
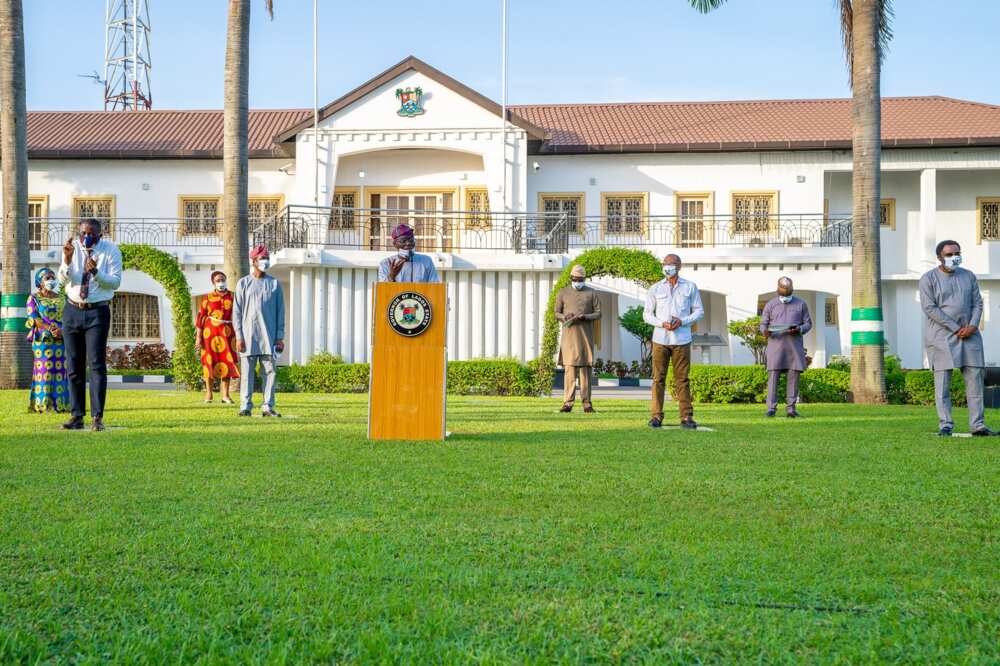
(561, 51)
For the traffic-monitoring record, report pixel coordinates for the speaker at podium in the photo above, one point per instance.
(406, 393)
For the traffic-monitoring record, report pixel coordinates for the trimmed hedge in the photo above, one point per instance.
(748, 384)
(477, 377)
(920, 388)
(164, 269)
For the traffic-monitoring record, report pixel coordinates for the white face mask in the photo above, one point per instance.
(263, 264)
(50, 285)
(405, 254)
(953, 261)
(577, 285)
(670, 270)
(221, 286)
(785, 299)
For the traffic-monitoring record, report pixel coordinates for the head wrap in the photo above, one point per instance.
(578, 271)
(214, 273)
(39, 273)
(402, 231)
(258, 252)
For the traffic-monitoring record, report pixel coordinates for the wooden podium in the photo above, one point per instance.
(406, 392)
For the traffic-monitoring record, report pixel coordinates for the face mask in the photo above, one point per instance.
(88, 240)
(50, 285)
(263, 264)
(785, 299)
(670, 270)
(221, 286)
(577, 285)
(406, 254)
(953, 261)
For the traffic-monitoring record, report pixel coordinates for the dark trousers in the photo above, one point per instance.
(85, 334)
(680, 356)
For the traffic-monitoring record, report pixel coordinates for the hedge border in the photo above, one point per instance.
(165, 269)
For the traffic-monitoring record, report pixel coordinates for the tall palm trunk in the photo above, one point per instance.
(235, 233)
(15, 351)
(867, 337)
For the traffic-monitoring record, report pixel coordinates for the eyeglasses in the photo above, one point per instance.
(951, 254)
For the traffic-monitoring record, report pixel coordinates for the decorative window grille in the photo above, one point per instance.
(752, 214)
(989, 219)
(623, 214)
(830, 312)
(37, 225)
(135, 317)
(342, 215)
(101, 208)
(887, 213)
(555, 208)
(477, 204)
(200, 216)
(262, 209)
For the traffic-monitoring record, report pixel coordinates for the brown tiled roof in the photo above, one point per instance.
(756, 125)
(143, 134)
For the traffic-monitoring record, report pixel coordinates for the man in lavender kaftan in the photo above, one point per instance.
(784, 321)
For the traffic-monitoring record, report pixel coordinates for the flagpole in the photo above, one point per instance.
(316, 102)
(503, 100)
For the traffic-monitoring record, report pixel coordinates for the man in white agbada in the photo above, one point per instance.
(950, 298)
(259, 324)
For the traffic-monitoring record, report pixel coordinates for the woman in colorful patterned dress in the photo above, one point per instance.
(49, 389)
(216, 339)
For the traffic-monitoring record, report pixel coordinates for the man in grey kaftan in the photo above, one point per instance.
(784, 321)
(259, 323)
(950, 298)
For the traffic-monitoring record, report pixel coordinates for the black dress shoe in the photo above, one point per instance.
(655, 422)
(97, 425)
(792, 413)
(770, 413)
(689, 424)
(244, 412)
(75, 423)
(566, 409)
(271, 412)
(984, 432)
(944, 432)
(589, 409)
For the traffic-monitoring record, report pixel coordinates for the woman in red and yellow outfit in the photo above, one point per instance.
(216, 339)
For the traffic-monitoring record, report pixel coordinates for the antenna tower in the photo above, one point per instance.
(126, 56)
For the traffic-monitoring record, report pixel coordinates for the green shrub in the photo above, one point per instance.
(476, 377)
(824, 385)
(838, 362)
(748, 384)
(919, 388)
(748, 331)
(326, 358)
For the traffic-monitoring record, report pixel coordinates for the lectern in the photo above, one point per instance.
(406, 392)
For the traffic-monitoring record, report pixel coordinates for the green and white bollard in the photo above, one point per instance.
(13, 312)
(867, 327)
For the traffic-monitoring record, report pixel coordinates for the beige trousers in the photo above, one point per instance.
(574, 372)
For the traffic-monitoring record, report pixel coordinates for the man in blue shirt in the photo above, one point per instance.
(406, 265)
(672, 305)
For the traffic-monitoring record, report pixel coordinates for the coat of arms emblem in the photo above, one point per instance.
(409, 101)
(409, 314)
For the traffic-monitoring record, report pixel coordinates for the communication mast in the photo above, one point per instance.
(126, 56)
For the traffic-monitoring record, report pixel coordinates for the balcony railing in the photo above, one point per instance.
(448, 231)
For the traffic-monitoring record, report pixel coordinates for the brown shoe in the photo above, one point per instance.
(589, 409)
(566, 408)
(98, 424)
(75, 423)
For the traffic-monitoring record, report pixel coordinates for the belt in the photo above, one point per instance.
(86, 306)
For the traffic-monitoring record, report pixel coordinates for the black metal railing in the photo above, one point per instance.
(459, 231)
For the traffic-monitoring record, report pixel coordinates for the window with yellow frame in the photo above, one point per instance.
(477, 207)
(755, 215)
(100, 207)
(38, 222)
(624, 213)
(988, 218)
(887, 214)
(345, 201)
(262, 207)
(198, 215)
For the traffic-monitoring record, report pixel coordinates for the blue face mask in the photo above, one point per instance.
(88, 240)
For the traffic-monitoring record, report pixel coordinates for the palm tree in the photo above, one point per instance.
(865, 26)
(235, 166)
(15, 351)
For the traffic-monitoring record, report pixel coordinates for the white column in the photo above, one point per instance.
(465, 317)
(503, 314)
(819, 330)
(333, 321)
(476, 315)
(346, 314)
(844, 320)
(451, 279)
(292, 328)
(490, 315)
(358, 351)
(924, 251)
(517, 315)
(319, 313)
(305, 285)
(371, 278)
(530, 315)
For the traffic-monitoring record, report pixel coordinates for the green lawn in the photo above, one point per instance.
(186, 534)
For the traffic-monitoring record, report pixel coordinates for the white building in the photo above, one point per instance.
(743, 191)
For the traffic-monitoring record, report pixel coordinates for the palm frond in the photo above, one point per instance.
(705, 6)
(885, 17)
(269, 6)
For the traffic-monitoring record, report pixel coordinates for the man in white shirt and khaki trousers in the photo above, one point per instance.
(672, 305)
